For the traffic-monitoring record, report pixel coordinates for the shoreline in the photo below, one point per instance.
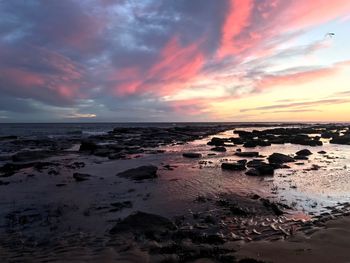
(330, 244)
(98, 197)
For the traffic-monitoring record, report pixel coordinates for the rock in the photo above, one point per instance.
(341, 140)
(274, 207)
(141, 222)
(192, 155)
(301, 157)
(218, 149)
(8, 138)
(304, 152)
(261, 169)
(213, 239)
(247, 154)
(88, 146)
(280, 158)
(27, 156)
(250, 144)
(3, 182)
(254, 163)
(120, 205)
(322, 152)
(233, 166)
(216, 141)
(79, 177)
(252, 172)
(9, 169)
(140, 173)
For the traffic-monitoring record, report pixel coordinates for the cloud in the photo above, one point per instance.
(299, 104)
(145, 55)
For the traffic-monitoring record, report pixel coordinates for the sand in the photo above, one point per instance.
(331, 244)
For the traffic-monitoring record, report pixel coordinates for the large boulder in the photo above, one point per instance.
(140, 173)
(141, 222)
(280, 158)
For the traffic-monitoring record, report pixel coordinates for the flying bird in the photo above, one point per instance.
(330, 34)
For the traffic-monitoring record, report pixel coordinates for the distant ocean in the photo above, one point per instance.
(69, 129)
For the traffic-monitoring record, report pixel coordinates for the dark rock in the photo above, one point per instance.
(322, 152)
(274, 207)
(142, 222)
(252, 172)
(233, 166)
(250, 144)
(102, 151)
(265, 169)
(27, 156)
(263, 143)
(217, 141)
(345, 140)
(120, 205)
(79, 177)
(250, 260)
(3, 182)
(9, 169)
(88, 146)
(8, 138)
(236, 210)
(140, 173)
(192, 155)
(213, 239)
(301, 157)
(218, 149)
(304, 152)
(247, 154)
(280, 158)
(254, 163)
(261, 169)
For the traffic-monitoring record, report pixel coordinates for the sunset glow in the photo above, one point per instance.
(198, 60)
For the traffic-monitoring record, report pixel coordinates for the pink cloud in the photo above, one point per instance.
(237, 20)
(21, 77)
(59, 82)
(175, 65)
(271, 81)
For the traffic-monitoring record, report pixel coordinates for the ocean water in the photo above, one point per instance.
(67, 129)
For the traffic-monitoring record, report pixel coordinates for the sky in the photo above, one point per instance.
(174, 60)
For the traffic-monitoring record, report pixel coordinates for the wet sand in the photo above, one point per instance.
(331, 244)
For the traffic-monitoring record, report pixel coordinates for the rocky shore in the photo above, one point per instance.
(106, 197)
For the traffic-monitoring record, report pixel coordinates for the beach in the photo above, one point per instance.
(176, 193)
